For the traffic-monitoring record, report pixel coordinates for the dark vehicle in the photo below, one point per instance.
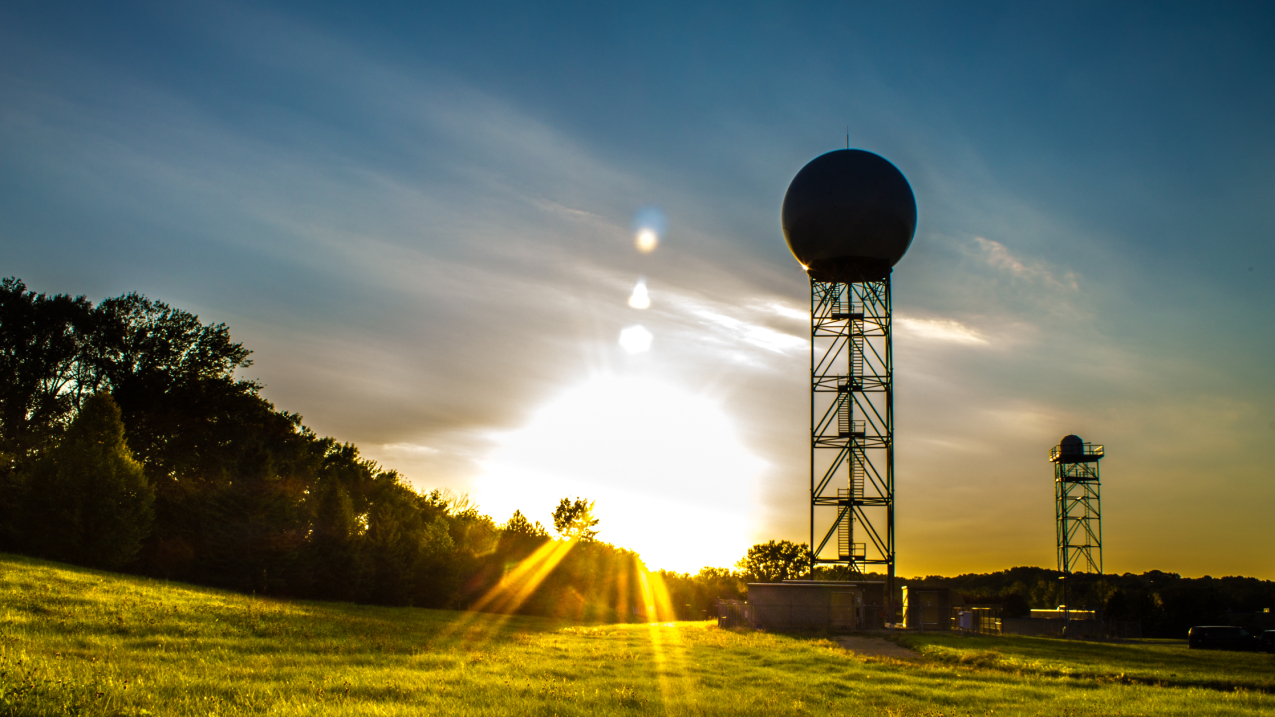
(1266, 641)
(1217, 637)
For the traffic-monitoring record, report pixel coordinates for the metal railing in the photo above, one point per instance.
(1088, 452)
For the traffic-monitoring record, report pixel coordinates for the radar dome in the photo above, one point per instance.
(849, 216)
(1071, 445)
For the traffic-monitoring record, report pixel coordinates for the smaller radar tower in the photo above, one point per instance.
(1078, 505)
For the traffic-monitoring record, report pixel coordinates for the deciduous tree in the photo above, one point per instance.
(41, 345)
(774, 562)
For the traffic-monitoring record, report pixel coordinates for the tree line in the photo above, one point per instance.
(1166, 604)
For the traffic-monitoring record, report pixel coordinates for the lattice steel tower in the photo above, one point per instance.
(848, 217)
(851, 425)
(1078, 504)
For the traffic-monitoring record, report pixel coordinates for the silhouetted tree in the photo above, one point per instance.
(91, 501)
(41, 346)
(41, 342)
(438, 565)
(395, 534)
(334, 548)
(774, 562)
(518, 524)
(573, 520)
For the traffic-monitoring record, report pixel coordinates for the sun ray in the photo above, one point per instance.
(622, 587)
(510, 593)
(667, 647)
(514, 589)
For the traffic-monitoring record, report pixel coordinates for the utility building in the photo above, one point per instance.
(817, 604)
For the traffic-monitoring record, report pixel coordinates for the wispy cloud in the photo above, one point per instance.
(411, 448)
(787, 312)
(998, 256)
(755, 334)
(948, 330)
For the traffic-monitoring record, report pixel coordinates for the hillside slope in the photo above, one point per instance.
(75, 641)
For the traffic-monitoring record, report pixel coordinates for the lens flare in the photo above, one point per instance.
(667, 647)
(636, 339)
(507, 596)
(640, 298)
(657, 603)
(647, 240)
(514, 589)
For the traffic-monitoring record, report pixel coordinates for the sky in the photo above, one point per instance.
(424, 219)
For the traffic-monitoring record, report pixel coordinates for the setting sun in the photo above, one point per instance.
(671, 478)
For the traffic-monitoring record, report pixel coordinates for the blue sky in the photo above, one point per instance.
(421, 219)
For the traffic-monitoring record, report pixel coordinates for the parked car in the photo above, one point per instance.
(1219, 637)
(1266, 641)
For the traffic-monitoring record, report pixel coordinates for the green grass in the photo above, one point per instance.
(1162, 663)
(75, 641)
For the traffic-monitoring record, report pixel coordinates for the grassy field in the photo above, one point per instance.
(76, 641)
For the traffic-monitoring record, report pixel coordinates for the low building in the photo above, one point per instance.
(816, 605)
(929, 608)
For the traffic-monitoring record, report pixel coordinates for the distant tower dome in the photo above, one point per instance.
(849, 216)
(1071, 445)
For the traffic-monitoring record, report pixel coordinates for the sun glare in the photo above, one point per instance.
(636, 339)
(669, 475)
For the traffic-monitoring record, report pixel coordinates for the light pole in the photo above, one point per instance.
(1066, 602)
